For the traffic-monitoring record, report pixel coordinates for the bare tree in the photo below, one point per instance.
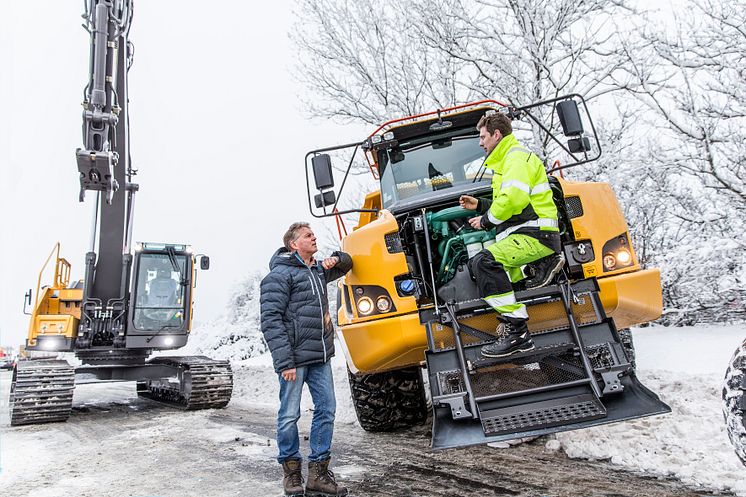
(696, 89)
(370, 61)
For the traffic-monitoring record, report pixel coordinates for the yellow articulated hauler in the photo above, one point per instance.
(410, 311)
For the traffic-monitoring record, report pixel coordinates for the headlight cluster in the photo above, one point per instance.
(371, 300)
(617, 253)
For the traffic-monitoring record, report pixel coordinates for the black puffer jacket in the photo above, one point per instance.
(295, 310)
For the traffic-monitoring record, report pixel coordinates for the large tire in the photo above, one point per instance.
(389, 401)
(734, 401)
(625, 335)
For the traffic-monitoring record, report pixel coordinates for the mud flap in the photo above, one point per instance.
(636, 401)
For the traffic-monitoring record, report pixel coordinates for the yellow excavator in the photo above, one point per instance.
(135, 298)
(411, 322)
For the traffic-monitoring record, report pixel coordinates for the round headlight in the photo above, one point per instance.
(364, 305)
(609, 261)
(623, 257)
(383, 303)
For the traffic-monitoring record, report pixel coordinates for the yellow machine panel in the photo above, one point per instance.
(56, 311)
(383, 342)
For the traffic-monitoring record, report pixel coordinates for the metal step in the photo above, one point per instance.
(637, 401)
(540, 415)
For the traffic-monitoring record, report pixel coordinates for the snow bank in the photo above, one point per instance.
(256, 383)
(236, 335)
(685, 366)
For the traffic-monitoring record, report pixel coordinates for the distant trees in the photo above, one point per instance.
(368, 61)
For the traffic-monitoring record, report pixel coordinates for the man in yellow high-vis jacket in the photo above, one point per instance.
(525, 217)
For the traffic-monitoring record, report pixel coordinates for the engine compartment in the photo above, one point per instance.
(438, 243)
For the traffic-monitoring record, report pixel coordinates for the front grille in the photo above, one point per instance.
(574, 207)
(393, 243)
(443, 335)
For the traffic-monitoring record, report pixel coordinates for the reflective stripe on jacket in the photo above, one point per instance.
(521, 196)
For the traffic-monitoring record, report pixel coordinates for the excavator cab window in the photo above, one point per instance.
(159, 303)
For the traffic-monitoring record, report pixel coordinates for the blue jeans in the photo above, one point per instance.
(320, 383)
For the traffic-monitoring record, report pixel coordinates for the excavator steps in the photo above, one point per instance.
(576, 376)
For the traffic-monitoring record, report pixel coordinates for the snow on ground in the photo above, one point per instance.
(685, 366)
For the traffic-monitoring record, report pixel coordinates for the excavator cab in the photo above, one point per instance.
(161, 299)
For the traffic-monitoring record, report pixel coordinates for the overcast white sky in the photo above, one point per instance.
(218, 135)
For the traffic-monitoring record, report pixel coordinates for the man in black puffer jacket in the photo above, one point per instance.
(300, 335)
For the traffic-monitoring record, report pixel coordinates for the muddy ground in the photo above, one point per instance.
(115, 444)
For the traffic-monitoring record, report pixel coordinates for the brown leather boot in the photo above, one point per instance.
(321, 481)
(293, 480)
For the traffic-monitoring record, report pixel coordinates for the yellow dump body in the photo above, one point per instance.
(396, 339)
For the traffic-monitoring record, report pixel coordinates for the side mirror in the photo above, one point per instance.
(580, 144)
(322, 171)
(325, 199)
(204, 263)
(27, 302)
(569, 117)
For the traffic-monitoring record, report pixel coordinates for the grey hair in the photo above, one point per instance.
(292, 233)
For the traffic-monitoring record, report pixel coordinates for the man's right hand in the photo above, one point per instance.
(468, 202)
(288, 374)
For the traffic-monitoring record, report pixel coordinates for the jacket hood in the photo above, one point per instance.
(285, 258)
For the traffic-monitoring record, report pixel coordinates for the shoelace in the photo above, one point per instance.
(296, 479)
(328, 477)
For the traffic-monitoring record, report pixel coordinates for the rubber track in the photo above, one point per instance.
(41, 392)
(210, 384)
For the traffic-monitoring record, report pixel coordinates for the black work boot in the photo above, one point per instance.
(516, 339)
(292, 483)
(541, 272)
(321, 481)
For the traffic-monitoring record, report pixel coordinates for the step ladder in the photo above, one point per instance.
(569, 380)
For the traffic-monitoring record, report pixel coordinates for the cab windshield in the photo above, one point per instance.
(421, 166)
(159, 303)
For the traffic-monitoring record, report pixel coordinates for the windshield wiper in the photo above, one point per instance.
(175, 264)
(480, 172)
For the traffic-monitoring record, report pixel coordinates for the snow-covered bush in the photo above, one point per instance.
(237, 334)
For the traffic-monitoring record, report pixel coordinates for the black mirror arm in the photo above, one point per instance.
(341, 187)
(27, 302)
(593, 129)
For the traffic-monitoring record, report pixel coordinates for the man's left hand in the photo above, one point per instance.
(330, 262)
(476, 222)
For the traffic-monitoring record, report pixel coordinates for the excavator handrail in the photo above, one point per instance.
(61, 272)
